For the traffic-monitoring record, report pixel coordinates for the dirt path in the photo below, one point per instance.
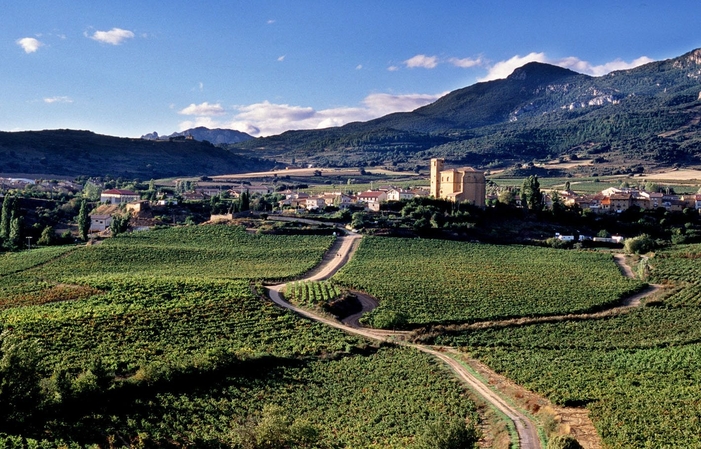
(338, 255)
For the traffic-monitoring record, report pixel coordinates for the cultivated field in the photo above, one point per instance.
(156, 339)
(637, 373)
(440, 282)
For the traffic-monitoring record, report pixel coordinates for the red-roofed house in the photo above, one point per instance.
(372, 199)
(118, 196)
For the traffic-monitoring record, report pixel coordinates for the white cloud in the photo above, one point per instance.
(281, 58)
(270, 22)
(115, 36)
(392, 68)
(359, 67)
(29, 44)
(598, 70)
(465, 63)
(264, 119)
(383, 104)
(502, 69)
(204, 109)
(207, 122)
(423, 61)
(58, 100)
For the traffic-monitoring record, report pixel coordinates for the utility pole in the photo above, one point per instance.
(29, 242)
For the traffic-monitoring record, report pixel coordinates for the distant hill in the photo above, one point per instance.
(73, 153)
(649, 115)
(215, 136)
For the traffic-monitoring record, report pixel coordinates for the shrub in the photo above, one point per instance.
(564, 442)
(454, 434)
(639, 245)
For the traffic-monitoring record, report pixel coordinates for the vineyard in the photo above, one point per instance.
(156, 339)
(203, 251)
(639, 374)
(311, 293)
(437, 281)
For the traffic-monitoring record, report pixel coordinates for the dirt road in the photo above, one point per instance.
(338, 255)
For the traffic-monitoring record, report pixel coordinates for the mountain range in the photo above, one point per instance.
(215, 136)
(73, 153)
(648, 116)
(628, 120)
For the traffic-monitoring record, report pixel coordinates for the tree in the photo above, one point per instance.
(48, 236)
(7, 206)
(639, 245)
(531, 195)
(120, 224)
(244, 201)
(652, 187)
(507, 196)
(20, 392)
(91, 191)
(83, 221)
(604, 234)
(14, 240)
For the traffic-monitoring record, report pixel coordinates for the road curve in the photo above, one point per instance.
(332, 262)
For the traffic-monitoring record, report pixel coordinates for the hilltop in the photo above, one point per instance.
(647, 116)
(74, 153)
(215, 136)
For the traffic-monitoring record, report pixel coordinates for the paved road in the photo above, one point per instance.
(333, 261)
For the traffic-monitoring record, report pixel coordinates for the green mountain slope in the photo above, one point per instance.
(72, 153)
(647, 115)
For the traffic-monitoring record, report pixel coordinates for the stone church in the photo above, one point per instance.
(457, 184)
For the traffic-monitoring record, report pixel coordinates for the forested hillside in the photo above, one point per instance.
(648, 115)
(74, 153)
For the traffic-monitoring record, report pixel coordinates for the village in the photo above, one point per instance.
(464, 185)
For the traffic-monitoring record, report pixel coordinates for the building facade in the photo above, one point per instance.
(458, 184)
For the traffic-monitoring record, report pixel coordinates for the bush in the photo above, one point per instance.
(454, 434)
(564, 442)
(639, 245)
(389, 319)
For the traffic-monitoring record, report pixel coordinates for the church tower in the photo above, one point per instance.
(436, 169)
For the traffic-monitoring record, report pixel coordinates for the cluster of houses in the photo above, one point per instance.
(41, 185)
(617, 200)
(369, 200)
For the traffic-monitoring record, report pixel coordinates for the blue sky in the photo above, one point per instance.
(132, 67)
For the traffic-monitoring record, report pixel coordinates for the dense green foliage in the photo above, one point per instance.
(204, 251)
(638, 373)
(438, 281)
(156, 339)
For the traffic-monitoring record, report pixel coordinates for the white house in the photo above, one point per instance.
(100, 222)
(315, 202)
(118, 196)
(372, 199)
(399, 194)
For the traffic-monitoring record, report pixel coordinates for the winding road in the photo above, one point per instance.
(334, 259)
(339, 254)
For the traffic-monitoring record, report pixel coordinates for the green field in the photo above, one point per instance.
(639, 374)
(205, 251)
(439, 281)
(157, 340)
